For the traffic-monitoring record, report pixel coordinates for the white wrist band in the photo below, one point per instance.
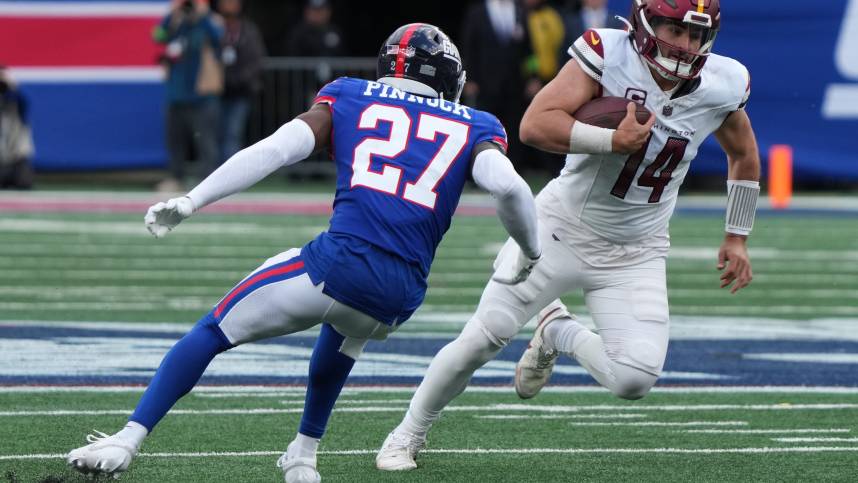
(589, 139)
(741, 206)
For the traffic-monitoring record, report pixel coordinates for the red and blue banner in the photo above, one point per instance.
(97, 99)
(90, 72)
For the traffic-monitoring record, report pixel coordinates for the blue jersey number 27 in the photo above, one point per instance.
(421, 191)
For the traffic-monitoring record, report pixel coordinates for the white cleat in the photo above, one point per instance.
(534, 368)
(297, 469)
(398, 452)
(104, 455)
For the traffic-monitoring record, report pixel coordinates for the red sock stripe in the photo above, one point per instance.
(403, 45)
(261, 276)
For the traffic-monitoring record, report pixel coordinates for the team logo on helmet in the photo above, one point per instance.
(423, 53)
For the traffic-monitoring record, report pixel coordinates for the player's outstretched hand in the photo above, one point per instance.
(735, 263)
(164, 216)
(630, 136)
(513, 268)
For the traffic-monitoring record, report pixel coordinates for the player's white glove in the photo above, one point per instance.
(164, 216)
(512, 266)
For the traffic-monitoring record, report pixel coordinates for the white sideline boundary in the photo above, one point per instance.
(486, 451)
(280, 391)
(463, 408)
(767, 431)
(816, 440)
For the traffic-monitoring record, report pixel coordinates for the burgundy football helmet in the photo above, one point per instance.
(701, 19)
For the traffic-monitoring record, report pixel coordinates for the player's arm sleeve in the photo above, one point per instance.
(293, 142)
(589, 51)
(493, 172)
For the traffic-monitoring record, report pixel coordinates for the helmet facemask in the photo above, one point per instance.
(672, 61)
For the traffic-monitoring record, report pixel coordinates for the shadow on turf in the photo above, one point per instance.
(12, 477)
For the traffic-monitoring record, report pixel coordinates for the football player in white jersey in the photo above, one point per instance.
(604, 220)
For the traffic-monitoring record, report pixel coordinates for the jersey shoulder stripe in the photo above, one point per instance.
(594, 47)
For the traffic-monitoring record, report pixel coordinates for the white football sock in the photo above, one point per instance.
(447, 376)
(587, 348)
(560, 333)
(304, 446)
(133, 432)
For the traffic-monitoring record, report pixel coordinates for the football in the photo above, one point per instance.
(608, 112)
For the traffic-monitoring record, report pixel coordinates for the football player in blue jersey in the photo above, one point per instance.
(403, 149)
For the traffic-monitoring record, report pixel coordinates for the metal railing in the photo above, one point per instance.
(289, 85)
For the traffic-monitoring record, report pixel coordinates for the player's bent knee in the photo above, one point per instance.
(631, 383)
(499, 322)
(494, 334)
(476, 344)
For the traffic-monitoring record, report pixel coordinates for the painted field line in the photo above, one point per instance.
(632, 423)
(295, 395)
(513, 451)
(562, 416)
(150, 292)
(354, 401)
(409, 389)
(204, 302)
(660, 407)
(816, 440)
(767, 431)
(477, 408)
(663, 423)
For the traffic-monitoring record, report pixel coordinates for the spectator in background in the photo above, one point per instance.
(546, 37)
(242, 55)
(192, 36)
(16, 142)
(316, 36)
(495, 47)
(580, 15)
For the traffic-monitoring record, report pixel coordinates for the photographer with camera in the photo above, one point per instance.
(192, 37)
(16, 142)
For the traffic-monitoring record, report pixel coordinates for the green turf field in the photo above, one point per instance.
(227, 436)
(106, 267)
(90, 267)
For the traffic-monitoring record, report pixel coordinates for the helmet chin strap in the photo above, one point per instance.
(683, 68)
(410, 85)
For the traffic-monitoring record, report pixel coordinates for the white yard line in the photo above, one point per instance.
(687, 310)
(277, 391)
(511, 451)
(423, 325)
(127, 293)
(562, 416)
(816, 440)
(464, 408)
(767, 431)
(657, 424)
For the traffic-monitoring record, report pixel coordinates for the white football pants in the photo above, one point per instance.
(628, 305)
(293, 305)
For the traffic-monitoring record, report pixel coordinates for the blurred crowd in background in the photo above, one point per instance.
(16, 141)
(236, 70)
(214, 53)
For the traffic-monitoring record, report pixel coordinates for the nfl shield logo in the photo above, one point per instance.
(667, 111)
